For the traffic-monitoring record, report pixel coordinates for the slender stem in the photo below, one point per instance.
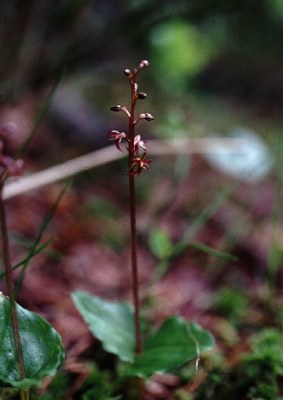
(10, 284)
(135, 278)
(134, 258)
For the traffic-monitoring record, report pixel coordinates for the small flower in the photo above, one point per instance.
(118, 137)
(139, 144)
(139, 164)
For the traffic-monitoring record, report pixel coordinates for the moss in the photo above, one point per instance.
(255, 377)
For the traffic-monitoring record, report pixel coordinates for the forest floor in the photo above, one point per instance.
(234, 297)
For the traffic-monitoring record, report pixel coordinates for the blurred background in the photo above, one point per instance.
(224, 58)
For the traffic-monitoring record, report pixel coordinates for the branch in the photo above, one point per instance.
(109, 154)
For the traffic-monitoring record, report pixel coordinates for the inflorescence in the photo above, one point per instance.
(136, 146)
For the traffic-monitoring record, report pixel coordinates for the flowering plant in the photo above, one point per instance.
(118, 325)
(138, 163)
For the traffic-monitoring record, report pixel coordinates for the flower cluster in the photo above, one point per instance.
(8, 166)
(135, 145)
(139, 164)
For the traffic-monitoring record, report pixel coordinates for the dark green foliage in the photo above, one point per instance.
(231, 304)
(263, 391)
(216, 386)
(108, 217)
(255, 377)
(98, 386)
(8, 394)
(58, 389)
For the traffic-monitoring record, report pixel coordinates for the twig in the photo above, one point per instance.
(108, 154)
(60, 172)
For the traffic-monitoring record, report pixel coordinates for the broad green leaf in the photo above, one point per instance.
(160, 243)
(174, 344)
(42, 348)
(111, 323)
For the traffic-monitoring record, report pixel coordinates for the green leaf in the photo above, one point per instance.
(160, 243)
(111, 323)
(161, 270)
(180, 51)
(174, 344)
(42, 348)
(213, 252)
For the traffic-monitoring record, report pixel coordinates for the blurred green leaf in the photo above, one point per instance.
(161, 269)
(276, 7)
(111, 323)
(180, 51)
(231, 303)
(101, 207)
(211, 251)
(160, 243)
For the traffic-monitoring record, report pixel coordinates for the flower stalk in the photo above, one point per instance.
(137, 163)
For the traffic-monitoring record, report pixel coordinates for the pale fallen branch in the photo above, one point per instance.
(109, 154)
(194, 146)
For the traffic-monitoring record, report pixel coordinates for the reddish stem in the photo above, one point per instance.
(134, 258)
(10, 284)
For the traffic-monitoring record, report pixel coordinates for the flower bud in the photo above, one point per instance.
(127, 72)
(113, 132)
(143, 64)
(148, 117)
(116, 108)
(142, 95)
